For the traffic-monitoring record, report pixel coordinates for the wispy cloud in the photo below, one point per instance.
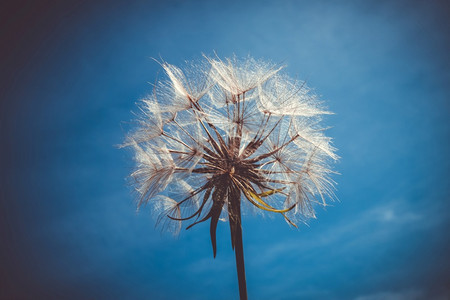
(401, 295)
(384, 222)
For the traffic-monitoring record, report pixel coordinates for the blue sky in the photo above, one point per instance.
(71, 74)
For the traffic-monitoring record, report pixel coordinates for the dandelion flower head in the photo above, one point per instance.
(223, 136)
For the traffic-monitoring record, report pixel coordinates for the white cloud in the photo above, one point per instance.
(402, 295)
(396, 211)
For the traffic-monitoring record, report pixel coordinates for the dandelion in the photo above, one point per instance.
(223, 135)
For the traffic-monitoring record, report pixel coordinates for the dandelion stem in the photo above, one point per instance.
(239, 251)
(236, 239)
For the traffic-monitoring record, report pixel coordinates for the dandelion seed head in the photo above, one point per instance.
(221, 133)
